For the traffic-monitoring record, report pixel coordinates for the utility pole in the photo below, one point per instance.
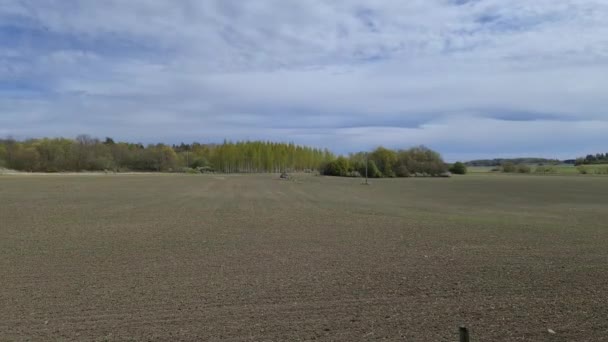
(366, 162)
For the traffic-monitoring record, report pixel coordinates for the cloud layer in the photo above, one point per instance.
(476, 78)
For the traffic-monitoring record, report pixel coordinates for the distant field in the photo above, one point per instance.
(570, 169)
(480, 169)
(557, 169)
(210, 257)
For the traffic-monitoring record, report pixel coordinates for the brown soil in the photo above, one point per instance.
(237, 258)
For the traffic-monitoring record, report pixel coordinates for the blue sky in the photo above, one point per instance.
(469, 78)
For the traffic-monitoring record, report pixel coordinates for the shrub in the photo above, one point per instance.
(601, 171)
(458, 168)
(583, 170)
(199, 162)
(508, 167)
(402, 171)
(385, 159)
(205, 169)
(338, 167)
(419, 160)
(191, 171)
(523, 169)
(353, 174)
(544, 169)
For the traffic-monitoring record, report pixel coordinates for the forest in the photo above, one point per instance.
(90, 154)
(86, 153)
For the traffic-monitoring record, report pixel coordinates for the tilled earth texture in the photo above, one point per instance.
(255, 258)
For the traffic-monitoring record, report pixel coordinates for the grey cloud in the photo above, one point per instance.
(352, 74)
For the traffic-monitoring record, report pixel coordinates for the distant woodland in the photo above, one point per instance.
(516, 161)
(599, 158)
(90, 154)
(86, 153)
(590, 159)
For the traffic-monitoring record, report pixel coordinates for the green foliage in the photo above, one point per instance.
(562, 169)
(595, 169)
(263, 157)
(516, 161)
(338, 167)
(190, 170)
(509, 167)
(598, 158)
(386, 160)
(458, 168)
(199, 162)
(357, 164)
(583, 170)
(90, 154)
(602, 170)
(544, 169)
(26, 158)
(383, 162)
(402, 171)
(353, 173)
(372, 170)
(419, 161)
(2, 155)
(524, 169)
(205, 169)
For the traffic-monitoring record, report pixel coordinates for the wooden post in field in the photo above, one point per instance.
(464, 334)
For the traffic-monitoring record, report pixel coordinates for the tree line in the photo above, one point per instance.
(383, 162)
(515, 161)
(599, 158)
(86, 153)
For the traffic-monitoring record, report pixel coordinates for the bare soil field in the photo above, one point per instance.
(239, 258)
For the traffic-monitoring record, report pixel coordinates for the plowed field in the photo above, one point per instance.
(238, 258)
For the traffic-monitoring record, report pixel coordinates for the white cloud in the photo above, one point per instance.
(335, 73)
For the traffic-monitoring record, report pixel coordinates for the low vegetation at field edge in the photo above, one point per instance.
(562, 169)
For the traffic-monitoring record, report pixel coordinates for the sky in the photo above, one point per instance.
(468, 78)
